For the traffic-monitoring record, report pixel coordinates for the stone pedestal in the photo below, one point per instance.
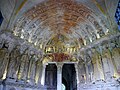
(8, 85)
(100, 85)
(59, 76)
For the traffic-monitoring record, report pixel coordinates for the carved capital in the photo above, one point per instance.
(59, 67)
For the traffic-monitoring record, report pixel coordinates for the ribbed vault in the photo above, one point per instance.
(54, 18)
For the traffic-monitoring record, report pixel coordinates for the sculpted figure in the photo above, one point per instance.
(108, 65)
(24, 66)
(14, 63)
(116, 60)
(4, 59)
(31, 69)
(11, 64)
(97, 67)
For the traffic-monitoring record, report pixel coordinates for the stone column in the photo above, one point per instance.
(76, 69)
(87, 73)
(100, 75)
(59, 76)
(43, 75)
(91, 76)
(116, 61)
(29, 70)
(40, 73)
(32, 71)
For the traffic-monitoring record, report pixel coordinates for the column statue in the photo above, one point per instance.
(31, 70)
(108, 65)
(40, 72)
(116, 61)
(4, 59)
(23, 69)
(97, 67)
(13, 63)
(37, 66)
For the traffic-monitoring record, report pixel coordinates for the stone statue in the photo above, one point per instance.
(116, 60)
(24, 65)
(108, 65)
(31, 70)
(4, 59)
(97, 67)
(13, 63)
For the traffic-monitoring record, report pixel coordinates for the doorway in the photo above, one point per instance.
(69, 77)
(51, 77)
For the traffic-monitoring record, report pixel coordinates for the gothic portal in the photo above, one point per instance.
(59, 45)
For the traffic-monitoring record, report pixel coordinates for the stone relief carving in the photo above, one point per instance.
(4, 56)
(97, 64)
(116, 59)
(40, 21)
(24, 66)
(25, 59)
(31, 69)
(108, 65)
(14, 63)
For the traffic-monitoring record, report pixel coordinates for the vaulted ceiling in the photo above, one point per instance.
(69, 18)
(61, 24)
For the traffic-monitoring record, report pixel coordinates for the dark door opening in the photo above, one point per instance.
(69, 77)
(64, 84)
(51, 77)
